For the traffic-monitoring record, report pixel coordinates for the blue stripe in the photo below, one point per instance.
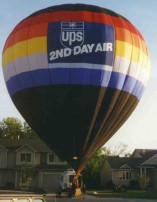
(80, 76)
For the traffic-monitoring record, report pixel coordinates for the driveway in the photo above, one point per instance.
(96, 199)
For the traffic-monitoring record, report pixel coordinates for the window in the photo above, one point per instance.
(23, 199)
(25, 157)
(38, 200)
(126, 175)
(120, 175)
(6, 200)
(52, 158)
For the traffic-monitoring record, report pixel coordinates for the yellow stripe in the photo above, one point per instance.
(24, 48)
(131, 38)
(7, 57)
(131, 52)
(37, 45)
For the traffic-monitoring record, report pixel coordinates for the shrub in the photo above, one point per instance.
(110, 185)
(134, 184)
(9, 185)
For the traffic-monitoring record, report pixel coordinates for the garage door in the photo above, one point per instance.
(51, 181)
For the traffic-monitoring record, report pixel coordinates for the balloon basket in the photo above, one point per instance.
(78, 192)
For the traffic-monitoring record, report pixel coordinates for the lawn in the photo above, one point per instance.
(149, 194)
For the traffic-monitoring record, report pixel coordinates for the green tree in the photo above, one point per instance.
(144, 182)
(91, 173)
(26, 174)
(13, 128)
(28, 132)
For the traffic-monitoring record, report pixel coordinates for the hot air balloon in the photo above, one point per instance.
(75, 72)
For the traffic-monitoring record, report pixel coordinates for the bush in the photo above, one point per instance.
(134, 184)
(37, 190)
(110, 185)
(9, 185)
(144, 182)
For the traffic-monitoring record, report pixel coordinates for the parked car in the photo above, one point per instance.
(22, 199)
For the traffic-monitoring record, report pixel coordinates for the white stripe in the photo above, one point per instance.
(130, 68)
(121, 65)
(80, 65)
(25, 64)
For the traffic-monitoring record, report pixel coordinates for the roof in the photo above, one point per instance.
(138, 158)
(117, 162)
(14, 144)
(145, 154)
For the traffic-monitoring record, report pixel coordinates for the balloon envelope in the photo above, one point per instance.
(75, 72)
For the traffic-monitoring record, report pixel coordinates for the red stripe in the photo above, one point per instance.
(9, 42)
(32, 23)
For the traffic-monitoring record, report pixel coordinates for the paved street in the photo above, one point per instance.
(95, 199)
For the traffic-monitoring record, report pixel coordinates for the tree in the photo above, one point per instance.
(28, 132)
(144, 182)
(91, 174)
(26, 174)
(13, 128)
(118, 150)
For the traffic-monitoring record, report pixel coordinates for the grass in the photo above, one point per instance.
(148, 194)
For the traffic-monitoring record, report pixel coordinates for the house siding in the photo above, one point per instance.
(7, 178)
(106, 174)
(37, 158)
(3, 158)
(115, 178)
(43, 158)
(153, 179)
(11, 159)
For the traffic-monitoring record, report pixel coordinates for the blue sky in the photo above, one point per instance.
(140, 130)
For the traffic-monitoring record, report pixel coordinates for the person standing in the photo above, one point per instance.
(73, 189)
(83, 191)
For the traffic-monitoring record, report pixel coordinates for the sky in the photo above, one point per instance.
(140, 130)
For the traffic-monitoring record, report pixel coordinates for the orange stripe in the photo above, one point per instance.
(23, 24)
(123, 35)
(38, 30)
(20, 35)
(44, 19)
(9, 42)
(131, 38)
(26, 33)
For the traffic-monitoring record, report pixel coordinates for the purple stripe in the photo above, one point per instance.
(80, 76)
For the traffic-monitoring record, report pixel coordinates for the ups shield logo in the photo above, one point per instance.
(72, 34)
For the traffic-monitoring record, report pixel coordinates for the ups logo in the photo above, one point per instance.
(72, 34)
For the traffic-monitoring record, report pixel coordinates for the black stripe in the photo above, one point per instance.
(77, 7)
(62, 115)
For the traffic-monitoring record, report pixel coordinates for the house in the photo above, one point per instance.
(29, 163)
(123, 170)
